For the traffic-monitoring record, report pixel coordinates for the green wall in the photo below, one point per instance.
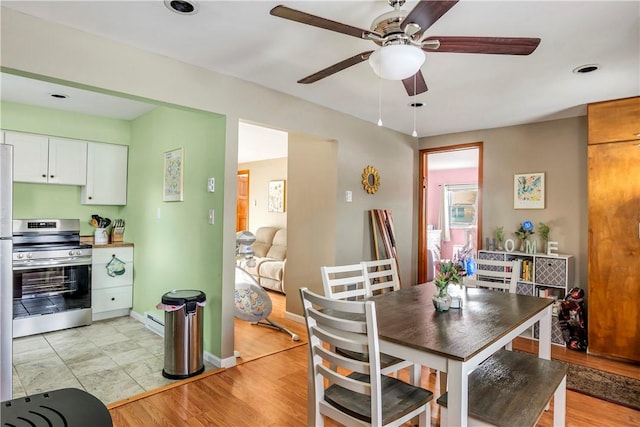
(60, 201)
(178, 250)
(46, 121)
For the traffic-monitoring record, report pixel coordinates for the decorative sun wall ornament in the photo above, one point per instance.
(370, 179)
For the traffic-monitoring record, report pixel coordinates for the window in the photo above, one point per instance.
(463, 202)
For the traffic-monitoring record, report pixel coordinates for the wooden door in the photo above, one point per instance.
(614, 250)
(242, 211)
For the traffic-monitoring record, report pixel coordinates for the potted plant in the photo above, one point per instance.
(448, 280)
(544, 230)
(500, 237)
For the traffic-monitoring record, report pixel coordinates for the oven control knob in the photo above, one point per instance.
(20, 256)
(29, 255)
(70, 253)
(78, 252)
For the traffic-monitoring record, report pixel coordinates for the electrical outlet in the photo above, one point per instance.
(349, 196)
(211, 216)
(158, 214)
(211, 185)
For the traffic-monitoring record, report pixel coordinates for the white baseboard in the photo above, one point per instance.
(139, 317)
(294, 317)
(228, 362)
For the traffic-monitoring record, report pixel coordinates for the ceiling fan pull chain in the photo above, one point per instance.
(379, 101)
(414, 133)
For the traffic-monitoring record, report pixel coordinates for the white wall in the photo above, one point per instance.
(260, 174)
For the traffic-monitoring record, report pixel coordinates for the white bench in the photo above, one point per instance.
(513, 389)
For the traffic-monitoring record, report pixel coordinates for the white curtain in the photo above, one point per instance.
(443, 218)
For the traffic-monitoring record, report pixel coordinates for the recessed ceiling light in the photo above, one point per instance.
(183, 7)
(583, 69)
(59, 95)
(416, 104)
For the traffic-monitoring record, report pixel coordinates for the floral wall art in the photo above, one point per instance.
(528, 191)
(173, 174)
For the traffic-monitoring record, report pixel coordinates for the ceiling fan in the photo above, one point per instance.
(401, 37)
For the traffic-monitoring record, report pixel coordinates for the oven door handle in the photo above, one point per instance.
(72, 262)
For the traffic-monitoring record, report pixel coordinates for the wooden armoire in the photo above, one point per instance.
(614, 228)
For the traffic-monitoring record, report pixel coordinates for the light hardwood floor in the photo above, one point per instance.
(271, 390)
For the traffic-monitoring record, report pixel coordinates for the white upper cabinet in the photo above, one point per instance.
(106, 175)
(67, 161)
(43, 159)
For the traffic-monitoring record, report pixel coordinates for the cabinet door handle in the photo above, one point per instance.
(113, 298)
(51, 176)
(44, 175)
(90, 197)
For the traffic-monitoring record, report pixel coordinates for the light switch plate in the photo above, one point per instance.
(211, 185)
(348, 197)
(211, 216)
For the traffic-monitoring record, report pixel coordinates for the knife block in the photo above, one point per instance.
(117, 234)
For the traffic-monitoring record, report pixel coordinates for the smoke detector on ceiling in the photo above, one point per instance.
(183, 7)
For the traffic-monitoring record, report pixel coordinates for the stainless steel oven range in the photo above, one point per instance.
(51, 276)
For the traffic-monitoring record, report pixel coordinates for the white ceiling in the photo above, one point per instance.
(260, 143)
(466, 91)
(37, 92)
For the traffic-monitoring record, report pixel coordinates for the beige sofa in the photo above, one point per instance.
(270, 253)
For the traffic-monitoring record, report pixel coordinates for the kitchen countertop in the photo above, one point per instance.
(88, 240)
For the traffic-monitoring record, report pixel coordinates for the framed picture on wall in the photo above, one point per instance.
(276, 196)
(528, 191)
(173, 174)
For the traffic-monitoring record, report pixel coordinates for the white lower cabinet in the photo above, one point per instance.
(111, 296)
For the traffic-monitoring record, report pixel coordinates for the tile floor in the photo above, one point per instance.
(111, 359)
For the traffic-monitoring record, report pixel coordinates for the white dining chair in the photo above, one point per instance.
(380, 276)
(494, 274)
(357, 393)
(344, 282)
(348, 282)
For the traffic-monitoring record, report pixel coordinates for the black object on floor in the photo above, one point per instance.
(68, 407)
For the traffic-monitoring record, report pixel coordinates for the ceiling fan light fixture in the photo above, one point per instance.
(396, 61)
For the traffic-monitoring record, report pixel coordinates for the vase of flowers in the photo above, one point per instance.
(448, 280)
(525, 230)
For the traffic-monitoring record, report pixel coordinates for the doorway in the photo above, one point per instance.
(242, 210)
(450, 203)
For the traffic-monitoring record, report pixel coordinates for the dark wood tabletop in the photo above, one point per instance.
(408, 317)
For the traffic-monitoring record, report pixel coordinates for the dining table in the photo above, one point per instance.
(458, 340)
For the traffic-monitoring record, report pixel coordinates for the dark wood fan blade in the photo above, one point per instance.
(419, 84)
(355, 59)
(427, 12)
(490, 45)
(316, 21)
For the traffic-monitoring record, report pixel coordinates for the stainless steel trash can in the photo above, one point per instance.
(183, 322)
